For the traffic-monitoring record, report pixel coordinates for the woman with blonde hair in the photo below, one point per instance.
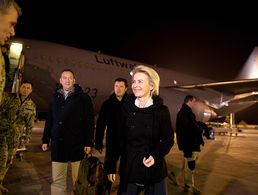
(146, 137)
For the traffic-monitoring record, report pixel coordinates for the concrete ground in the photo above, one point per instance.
(227, 165)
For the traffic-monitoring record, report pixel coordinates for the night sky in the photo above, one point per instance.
(212, 41)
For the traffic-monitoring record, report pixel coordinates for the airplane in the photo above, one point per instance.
(41, 62)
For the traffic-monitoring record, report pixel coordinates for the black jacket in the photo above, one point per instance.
(188, 133)
(109, 116)
(146, 131)
(69, 126)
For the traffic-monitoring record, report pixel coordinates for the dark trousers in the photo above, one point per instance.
(156, 189)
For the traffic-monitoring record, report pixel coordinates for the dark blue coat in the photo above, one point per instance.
(69, 126)
(109, 115)
(188, 133)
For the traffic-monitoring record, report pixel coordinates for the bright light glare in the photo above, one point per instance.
(250, 70)
(15, 50)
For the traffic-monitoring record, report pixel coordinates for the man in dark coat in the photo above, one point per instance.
(189, 139)
(108, 118)
(69, 129)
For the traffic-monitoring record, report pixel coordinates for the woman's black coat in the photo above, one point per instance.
(69, 126)
(146, 132)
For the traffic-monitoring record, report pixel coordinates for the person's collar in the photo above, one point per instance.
(23, 98)
(66, 93)
(147, 104)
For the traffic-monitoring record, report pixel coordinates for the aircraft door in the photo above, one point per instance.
(16, 65)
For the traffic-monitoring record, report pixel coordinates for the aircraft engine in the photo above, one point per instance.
(203, 112)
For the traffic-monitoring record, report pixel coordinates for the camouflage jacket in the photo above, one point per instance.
(17, 114)
(2, 76)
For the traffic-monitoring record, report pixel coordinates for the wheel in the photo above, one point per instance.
(19, 155)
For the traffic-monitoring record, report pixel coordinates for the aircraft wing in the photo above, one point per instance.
(227, 87)
(224, 97)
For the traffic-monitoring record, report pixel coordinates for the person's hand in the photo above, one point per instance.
(44, 147)
(149, 161)
(87, 150)
(112, 177)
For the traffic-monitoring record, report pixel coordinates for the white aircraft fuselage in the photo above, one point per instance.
(96, 72)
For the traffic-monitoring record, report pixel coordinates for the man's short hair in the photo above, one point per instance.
(6, 4)
(122, 80)
(27, 82)
(68, 70)
(188, 98)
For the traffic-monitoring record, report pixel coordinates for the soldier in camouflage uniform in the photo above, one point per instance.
(2, 76)
(17, 112)
(9, 13)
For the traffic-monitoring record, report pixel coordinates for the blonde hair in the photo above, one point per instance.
(151, 74)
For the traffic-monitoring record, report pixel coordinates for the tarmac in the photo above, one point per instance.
(227, 165)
